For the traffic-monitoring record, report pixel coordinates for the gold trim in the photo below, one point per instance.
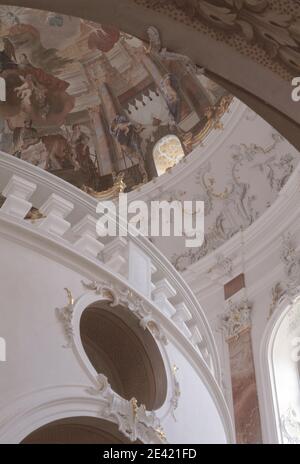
(118, 187)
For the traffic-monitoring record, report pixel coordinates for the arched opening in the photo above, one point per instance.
(77, 430)
(167, 152)
(127, 355)
(284, 362)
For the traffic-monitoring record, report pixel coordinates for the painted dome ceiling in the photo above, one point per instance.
(107, 112)
(91, 104)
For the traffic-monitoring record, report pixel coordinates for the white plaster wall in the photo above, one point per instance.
(196, 413)
(38, 367)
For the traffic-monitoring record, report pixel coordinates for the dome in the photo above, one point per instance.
(90, 103)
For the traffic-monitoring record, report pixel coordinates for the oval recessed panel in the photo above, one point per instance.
(126, 354)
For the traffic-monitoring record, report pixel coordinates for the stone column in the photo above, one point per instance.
(236, 323)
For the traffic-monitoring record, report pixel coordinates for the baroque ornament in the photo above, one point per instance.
(290, 258)
(65, 316)
(236, 205)
(290, 426)
(277, 293)
(237, 318)
(132, 419)
(118, 296)
(176, 392)
(256, 20)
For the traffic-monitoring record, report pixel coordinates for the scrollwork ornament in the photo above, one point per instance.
(237, 318)
(117, 295)
(132, 419)
(65, 316)
(290, 425)
(176, 393)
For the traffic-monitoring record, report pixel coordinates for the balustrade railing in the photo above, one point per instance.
(55, 208)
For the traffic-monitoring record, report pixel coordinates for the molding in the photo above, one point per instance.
(133, 420)
(50, 184)
(61, 251)
(128, 298)
(268, 401)
(197, 158)
(58, 402)
(259, 238)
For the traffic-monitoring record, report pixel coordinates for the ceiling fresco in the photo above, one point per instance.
(91, 104)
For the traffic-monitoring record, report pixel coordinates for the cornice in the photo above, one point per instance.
(48, 184)
(61, 251)
(260, 239)
(199, 156)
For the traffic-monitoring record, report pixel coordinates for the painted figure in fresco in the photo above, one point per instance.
(101, 37)
(27, 143)
(127, 135)
(12, 18)
(24, 137)
(169, 89)
(83, 157)
(30, 92)
(37, 155)
(7, 55)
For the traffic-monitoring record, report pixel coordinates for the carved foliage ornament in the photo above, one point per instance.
(290, 258)
(65, 316)
(237, 318)
(116, 296)
(125, 297)
(279, 33)
(133, 420)
(290, 426)
(176, 392)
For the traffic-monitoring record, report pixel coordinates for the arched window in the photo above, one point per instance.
(125, 353)
(283, 351)
(167, 153)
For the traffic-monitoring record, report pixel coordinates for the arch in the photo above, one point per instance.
(47, 405)
(268, 93)
(128, 356)
(271, 408)
(77, 430)
(167, 152)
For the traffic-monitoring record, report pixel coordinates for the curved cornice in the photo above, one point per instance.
(199, 156)
(63, 253)
(259, 239)
(87, 205)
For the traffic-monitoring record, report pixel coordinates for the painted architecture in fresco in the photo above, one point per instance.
(90, 103)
